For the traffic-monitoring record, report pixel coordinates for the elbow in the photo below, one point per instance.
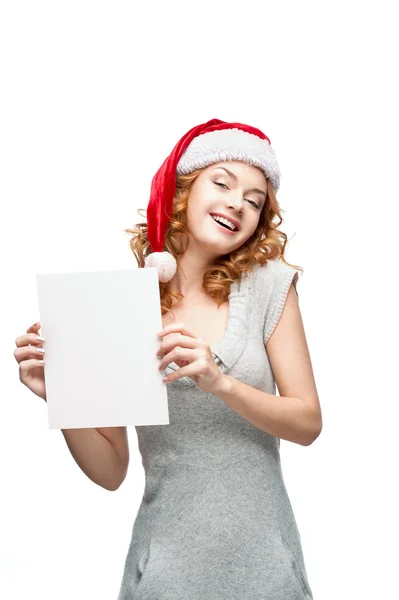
(114, 486)
(113, 489)
(309, 441)
(121, 476)
(314, 431)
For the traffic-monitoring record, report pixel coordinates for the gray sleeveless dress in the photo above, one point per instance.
(215, 521)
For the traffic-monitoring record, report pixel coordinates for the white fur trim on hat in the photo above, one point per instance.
(230, 144)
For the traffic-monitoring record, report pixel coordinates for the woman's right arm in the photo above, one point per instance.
(101, 453)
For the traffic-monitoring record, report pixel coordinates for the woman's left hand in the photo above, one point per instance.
(192, 355)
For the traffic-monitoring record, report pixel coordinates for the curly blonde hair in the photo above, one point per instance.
(267, 242)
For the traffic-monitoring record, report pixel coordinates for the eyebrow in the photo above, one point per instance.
(235, 179)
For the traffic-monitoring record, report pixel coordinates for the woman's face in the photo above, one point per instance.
(233, 189)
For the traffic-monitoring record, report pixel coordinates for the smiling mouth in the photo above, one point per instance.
(224, 227)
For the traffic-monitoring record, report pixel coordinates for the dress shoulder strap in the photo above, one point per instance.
(270, 285)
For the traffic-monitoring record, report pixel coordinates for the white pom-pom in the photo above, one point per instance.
(165, 264)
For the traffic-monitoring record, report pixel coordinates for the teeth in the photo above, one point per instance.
(229, 224)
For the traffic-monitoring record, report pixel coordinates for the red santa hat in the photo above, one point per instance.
(204, 145)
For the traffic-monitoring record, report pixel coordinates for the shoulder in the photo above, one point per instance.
(270, 289)
(274, 274)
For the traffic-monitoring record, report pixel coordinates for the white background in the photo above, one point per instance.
(94, 96)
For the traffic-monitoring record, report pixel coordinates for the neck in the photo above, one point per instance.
(188, 278)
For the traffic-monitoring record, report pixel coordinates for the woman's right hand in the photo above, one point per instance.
(31, 372)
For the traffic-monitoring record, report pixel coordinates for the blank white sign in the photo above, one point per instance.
(100, 331)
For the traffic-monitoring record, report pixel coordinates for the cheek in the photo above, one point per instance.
(251, 226)
(195, 214)
(202, 201)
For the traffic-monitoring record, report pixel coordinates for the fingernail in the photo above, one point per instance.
(40, 339)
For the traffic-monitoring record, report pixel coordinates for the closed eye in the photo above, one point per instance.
(255, 204)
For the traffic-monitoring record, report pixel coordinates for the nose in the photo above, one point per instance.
(236, 202)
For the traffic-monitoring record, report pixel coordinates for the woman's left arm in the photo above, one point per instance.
(295, 415)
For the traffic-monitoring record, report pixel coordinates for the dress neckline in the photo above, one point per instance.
(234, 339)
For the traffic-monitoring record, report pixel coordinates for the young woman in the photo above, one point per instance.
(215, 520)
